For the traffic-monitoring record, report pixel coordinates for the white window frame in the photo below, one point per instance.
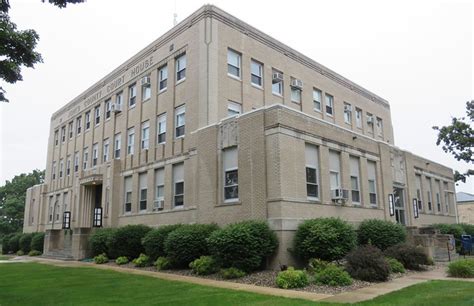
(355, 174)
(63, 134)
(117, 145)
(296, 94)
(358, 116)
(159, 185)
(68, 165)
(335, 170)
(279, 84)
(162, 78)
(317, 100)
(258, 74)
(130, 140)
(128, 195)
(233, 108)
(78, 125)
(312, 164)
(97, 115)
(95, 154)
(105, 151)
(347, 114)
(175, 184)
(132, 95)
(61, 167)
(329, 104)
(143, 190)
(145, 141)
(181, 63)
(119, 98)
(372, 181)
(146, 90)
(88, 120)
(85, 158)
(71, 129)
(231, 55)
(161, 128)
(379, 124)
(76, 161)
(108, 108)
(234, 167)
(179, 111)
(53, 170)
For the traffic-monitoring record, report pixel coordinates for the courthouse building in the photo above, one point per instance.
(216, 121)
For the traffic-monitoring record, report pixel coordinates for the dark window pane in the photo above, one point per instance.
(312, 190)
(311, 175)
(179, 188)
(231, 192)
(231, 178)
(179, 200)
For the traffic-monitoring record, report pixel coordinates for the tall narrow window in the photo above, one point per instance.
(63, 134)
(429, 198)
(379, 124)
(108, 108)
(370, 123)
(146, 88)
(117, 145)
(181, 68)
(142, 181)
(128, 194)
(372, 182)
(178, 184)
(234, 108)
(438, 195)
(355, 179)
(130, 140)
(76, 161)
(233, 63)
(56, 138)
(180, 121)
(329, 105)
(160, 189)
(256, 73)
(347, 113)
(132, 95)
(446, 197)
(119, 100)
(358, 118)
(295, 91)
(61, 167)
(68, 165)
(145, 143)
(161, 128)
(335, 169)
(312, 166)
(78, 125)
(418, 191)
(105, 151)
(277, 82)
(71, 129)
(231, 174)
(163, 78)
(53, 170)
(85, 158)
(95, 154)
(317, 97)
(97, 114)
(88, 120)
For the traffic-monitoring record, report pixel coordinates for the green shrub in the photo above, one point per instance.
(467, 228)
(244, 245)
(14, 243)
(325, 238)
(411, 257)
(34, 253)
(163, 263)
(367, 263)
(394, 265)
(461, 268)
(127, 241)
(231, 273)
(142, 261)
(37, 242)
(154, 240)
(122, 260)
(187, 243)
(101, 259)
(20, 253)
(454, 229)
(333, 275)
(315, 265)
(6, 243)
(98, 241)
(204, 265)
(380, 233)
(25, 242)
(292, 278)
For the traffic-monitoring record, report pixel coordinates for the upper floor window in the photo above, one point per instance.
(146, 88)
(95, 154)
(178, 184)
(105, 151)
(233, 63)
(358, 114)
(63, 134)
(181, 68)
(163, 78)
(429, 198)
(370, 122)
(160, 188)
(71, 129)
(88, 120)
(117, 145)
(145, 143)
(128, 194)
(132, 95)
(231, 174)
(97, 114)
(53, 170)
(277, 82)
(317, 97)
(118, 100)
(234, 108)
(161, 128)
(142, 182)
(355, 179)
(56, 137)
(130, 140)
(372, 182)
(419, 194)
(68, 165)
(108, 108)
(312, 166)
(329, 105)
(76, 161)
(347, 113)
(85, 158)
(61, 167)
(180, 121)
(335, 169)
(78, 125)
(296, 86)
(256, 73)
(379, 124)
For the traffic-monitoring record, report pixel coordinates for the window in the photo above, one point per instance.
(68, 165)
(347, 113)
(53, 170)
(95, 154)
(334, 169)
(63, 134)
(61, 167)
(370, 122)
(231, 174)
(379, 124)
(178, 184)
(132, 95)
(277, 82)
(145, 143)
(88, 120)
(163, 78)
(160, 188)
(312, 166)
(76, 161)
(233, 63)
(56, 138)
(317, 99)
(359, 118)
(117, 145)
(50, 209)
(446, 197)
(108, 108)
(181, 68)
(355, 175)
(429, 198)
(71, 129)
(418, 191)
(130, 140)
(329, 105)
(97, 114)
(234, 108)
(256, 73)
(78, 125)
(85, 158)
(179, 121)
(142, 181)
(295, 94)
(372, 182)
(146, 88)
(118, 100)
(128, 194)
(105, 151)
(438, 197)
(161, 128)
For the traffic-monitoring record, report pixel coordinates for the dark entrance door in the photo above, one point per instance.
(398, 199)
(97, 217)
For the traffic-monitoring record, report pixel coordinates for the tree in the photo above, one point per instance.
(458, 140)
(12, 200)
(17, 48)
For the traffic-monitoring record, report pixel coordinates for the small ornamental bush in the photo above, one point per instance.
(315, 265)
(20, 253)
(367, 263)
(127, 241)
(34, 253)
(37, 242)
(154, 240)
(204, 265)
(411, 257)
(142, 261)
(231, 273)
(380, 233)
(162, 263)
(333, 275)
(122, 260)
(395, 265)
(244, 245)
(187, 243)
(461, 268)
(25, 243)
(99, 239)
(292, 278)
(101, 259)
(325, 238)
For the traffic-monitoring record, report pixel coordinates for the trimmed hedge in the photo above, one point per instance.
(25, 242)
(412, 257)
(127, 241)
(154, 240)
(367, 263)
(325, 238)
(6, 243)
(37, 242)
(461, 268)
(333, 275)
(292, 278)
(187, 243)
(244, 245)
(98, 241)
(380, 233)
(14, 243)
(204, 265)
(468, 228)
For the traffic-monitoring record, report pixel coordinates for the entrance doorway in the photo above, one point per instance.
(97, 216)
(398, 199)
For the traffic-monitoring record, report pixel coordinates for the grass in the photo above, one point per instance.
(3, 257)
(37, 284)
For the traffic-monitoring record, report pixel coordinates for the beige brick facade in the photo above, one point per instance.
(270, 135)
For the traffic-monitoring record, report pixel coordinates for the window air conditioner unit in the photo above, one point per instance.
(277, 77)
(116, 108)
(146, 80)
(370, 119)
(159, 204)
(297, 83)
(339, 194)
(347, 108)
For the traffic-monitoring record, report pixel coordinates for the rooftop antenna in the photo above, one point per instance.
(175, 15)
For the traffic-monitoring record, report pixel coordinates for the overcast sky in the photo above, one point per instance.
(416, 54)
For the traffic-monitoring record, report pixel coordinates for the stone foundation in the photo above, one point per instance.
(437, 246)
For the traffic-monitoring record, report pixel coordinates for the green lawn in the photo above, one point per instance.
(3, 257)
(36, 284)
